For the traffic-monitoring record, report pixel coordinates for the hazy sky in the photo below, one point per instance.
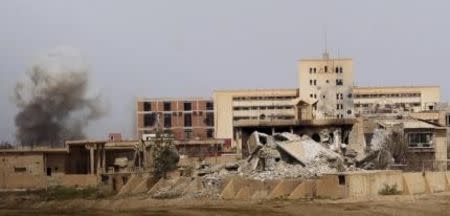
(189, 48)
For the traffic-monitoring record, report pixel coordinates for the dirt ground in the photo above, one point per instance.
(435, 204)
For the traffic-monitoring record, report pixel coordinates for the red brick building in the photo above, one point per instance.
(186, 118)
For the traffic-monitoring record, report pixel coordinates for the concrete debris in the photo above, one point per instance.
(287, 155)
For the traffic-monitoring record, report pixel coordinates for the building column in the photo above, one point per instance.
(273, 131)
(91, 157)
(103, 158)
(97, 148)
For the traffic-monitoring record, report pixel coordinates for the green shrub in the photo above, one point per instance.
(389, 190)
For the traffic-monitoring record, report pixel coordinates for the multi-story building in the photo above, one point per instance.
(395, 99)
(258, 105)
(185, 118)
(329, 81)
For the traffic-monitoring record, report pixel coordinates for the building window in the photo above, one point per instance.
(187, 106)
(420, 140)
(188, 134)
(315, 82)
(328, 81)
(310, 82)
(340, 70)
(149, 119)
(339, 82)
(323, 96)
(167, 106)
(337, 106)
(314, 70)
(187, 120)
(209, 133)
(325, 69)
(310, 70)
(209, 106)
(337, 96)
(315, 96)
(147, 106)
(337, 70)
(209, 120)
(20, 169)
(311, 95)
(167, 120)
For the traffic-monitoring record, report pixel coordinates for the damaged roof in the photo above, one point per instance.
(409, 124)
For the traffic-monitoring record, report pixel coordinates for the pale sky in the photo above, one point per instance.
(189, 48)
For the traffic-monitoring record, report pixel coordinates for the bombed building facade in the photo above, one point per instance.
(327, 125)
(327, 102)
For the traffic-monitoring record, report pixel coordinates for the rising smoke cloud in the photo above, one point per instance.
(54, 101)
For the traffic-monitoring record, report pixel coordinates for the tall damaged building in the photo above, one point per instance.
(327, 101)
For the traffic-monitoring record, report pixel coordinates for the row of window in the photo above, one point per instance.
(188, 134)
(264, 98)
(339, 106)
(387, 95)
(338, 82)
(167, 106)
(420, 140)
(325, 69)
(262, 108)
(404, 105)
(263, 117)
(338, 96)
(150, 120)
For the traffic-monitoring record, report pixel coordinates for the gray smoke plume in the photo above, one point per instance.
(53, 100)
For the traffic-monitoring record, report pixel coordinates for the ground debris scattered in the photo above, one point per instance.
(287, 155)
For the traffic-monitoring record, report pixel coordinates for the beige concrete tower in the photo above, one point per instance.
(329, 81)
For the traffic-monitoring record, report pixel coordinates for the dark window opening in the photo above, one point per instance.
(209, 106)
(326, 69)
(262, 116)
(310, 82)
(209, 133)
(167, 120)
(149, 119)
(147, 106)
(49, 171)
(209, 120)
(420, 140)
(187, 120)
(339, 82)
(167, 106)
(20, 169)
(337, 70)
(341, 179)
(340, 70)
(187, 106)
(315, 82)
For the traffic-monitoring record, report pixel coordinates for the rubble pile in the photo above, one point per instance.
(287, 155)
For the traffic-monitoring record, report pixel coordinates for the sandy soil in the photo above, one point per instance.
(435, 204)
